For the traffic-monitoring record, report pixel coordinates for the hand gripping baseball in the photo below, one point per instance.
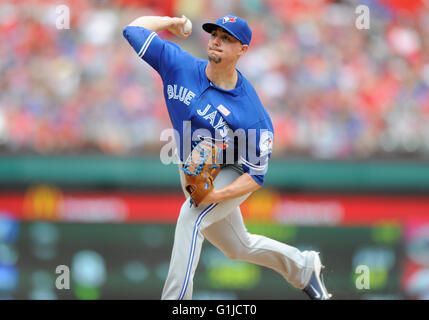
(178, 27)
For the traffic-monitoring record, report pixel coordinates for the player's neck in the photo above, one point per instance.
(224, 77)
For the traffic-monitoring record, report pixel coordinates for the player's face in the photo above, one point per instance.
(224, 47)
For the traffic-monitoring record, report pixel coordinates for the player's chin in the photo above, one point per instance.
(214, 58)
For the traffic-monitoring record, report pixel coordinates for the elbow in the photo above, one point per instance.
(139, 22)
(146, 22)
(255, 182)
(126, 33)
(257, 187)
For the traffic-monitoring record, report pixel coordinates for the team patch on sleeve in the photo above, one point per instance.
(266, 143)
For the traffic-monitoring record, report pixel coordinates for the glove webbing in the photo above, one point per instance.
(204, 153)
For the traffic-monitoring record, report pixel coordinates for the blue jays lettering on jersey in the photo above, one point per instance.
(192, 100)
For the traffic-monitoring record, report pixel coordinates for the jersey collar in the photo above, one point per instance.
(207, 83)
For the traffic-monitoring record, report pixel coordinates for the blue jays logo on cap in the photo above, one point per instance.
(234, 25)
(228, 19)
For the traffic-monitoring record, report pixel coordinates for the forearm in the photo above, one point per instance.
(153, 23)
(241, 186)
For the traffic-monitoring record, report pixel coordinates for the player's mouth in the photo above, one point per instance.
(214, 49)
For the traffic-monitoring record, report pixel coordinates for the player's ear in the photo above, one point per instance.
(243, 50)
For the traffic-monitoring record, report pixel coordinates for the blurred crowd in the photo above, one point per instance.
(333, 90)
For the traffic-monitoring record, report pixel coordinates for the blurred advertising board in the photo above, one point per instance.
(49, 203)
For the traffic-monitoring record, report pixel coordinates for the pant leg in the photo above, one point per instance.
(185, 255)
(188, 239)
(232, 238)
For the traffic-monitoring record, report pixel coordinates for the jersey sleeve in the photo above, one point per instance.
(260, 139)
(162, 55)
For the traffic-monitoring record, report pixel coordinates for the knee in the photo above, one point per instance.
(236, 253)
(231, 255)
(238, 250)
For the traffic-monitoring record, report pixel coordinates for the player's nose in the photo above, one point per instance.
(216, 41)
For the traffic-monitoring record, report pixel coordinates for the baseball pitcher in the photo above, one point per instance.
(217, 113)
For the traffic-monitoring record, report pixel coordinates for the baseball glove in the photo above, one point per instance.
(201, 170)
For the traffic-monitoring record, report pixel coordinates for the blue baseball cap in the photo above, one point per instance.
(234, 25)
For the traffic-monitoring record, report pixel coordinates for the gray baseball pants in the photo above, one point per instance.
(222, 224)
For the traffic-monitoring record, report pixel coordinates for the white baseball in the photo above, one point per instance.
(187, 27)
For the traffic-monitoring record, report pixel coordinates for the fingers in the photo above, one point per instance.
(184, 35)
(181, 21)
(187, 34)
(177, 28)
